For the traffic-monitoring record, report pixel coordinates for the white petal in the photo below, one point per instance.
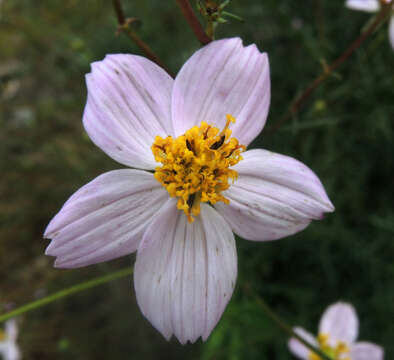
(340, 322)
(274, 196)
(129, 102)
(11, 329)
(12, 352)
(104, 219)
(363, 5)
(185, 273)
(391, 32)
(366, 351)
(297, 348)
(223, 78)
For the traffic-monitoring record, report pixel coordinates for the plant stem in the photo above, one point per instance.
(191, 18)
(300, 100)
(66, 292)
(286, 328)
(119, 11)
(124, 26)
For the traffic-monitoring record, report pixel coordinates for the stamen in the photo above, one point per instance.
(196, 166)
(338, 352)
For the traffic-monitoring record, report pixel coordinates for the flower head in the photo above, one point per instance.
(338, 331)
(192, 132)
(373, 6)
(9, 349)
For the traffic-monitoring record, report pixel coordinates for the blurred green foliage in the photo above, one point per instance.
(345, 134)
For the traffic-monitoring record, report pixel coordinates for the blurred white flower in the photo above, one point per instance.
(372, 6)
(9, 349)
(338, 330)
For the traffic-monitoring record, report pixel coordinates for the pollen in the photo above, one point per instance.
(196, 165)
(339, 352)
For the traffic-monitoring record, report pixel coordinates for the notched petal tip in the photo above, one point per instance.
(274, 196)
(105, 219)
(128, 104)
(185, 280)
(222, 78)
(58, 264)
(50, 231)
(48, 250)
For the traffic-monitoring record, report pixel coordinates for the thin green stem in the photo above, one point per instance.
(66, 292)
(281, 324)
(233, 16)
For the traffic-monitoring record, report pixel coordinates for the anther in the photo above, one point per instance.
(196, 165)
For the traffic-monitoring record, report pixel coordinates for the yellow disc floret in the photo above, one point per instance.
(195, 166)
(339, 352)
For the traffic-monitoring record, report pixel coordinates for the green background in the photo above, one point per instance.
(345, 134)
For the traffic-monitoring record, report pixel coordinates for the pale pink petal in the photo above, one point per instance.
(391, 32)
(12, 352)
(366, 351)
(340, 322)
(223, 78)
(185, 273)
(129, 102)
(297, 348)
(11, 329)
(105, 219)
(363, 5)
(274, 196)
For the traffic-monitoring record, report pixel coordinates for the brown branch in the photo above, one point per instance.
(300, 100)
(124, 26)
(119, 12)
(191, 18)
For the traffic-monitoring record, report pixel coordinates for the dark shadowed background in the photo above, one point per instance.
(345, 134)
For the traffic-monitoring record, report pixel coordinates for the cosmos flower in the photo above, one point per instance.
(338, 331)
(198, 186)
(9, 350)
(372, 6)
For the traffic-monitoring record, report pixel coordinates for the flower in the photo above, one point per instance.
(205, 185)
(338, 330)
(372, 6)
(9, 350)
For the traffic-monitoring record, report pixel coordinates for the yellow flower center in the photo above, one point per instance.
(339, 352)
(3, 335)
(195, 166)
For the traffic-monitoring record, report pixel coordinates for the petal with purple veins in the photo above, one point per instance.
(223, 78)
(185, 272)
(273, 197)
(129, 102)
(105, 219)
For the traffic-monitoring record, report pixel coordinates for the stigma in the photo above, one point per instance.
(196, 165)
